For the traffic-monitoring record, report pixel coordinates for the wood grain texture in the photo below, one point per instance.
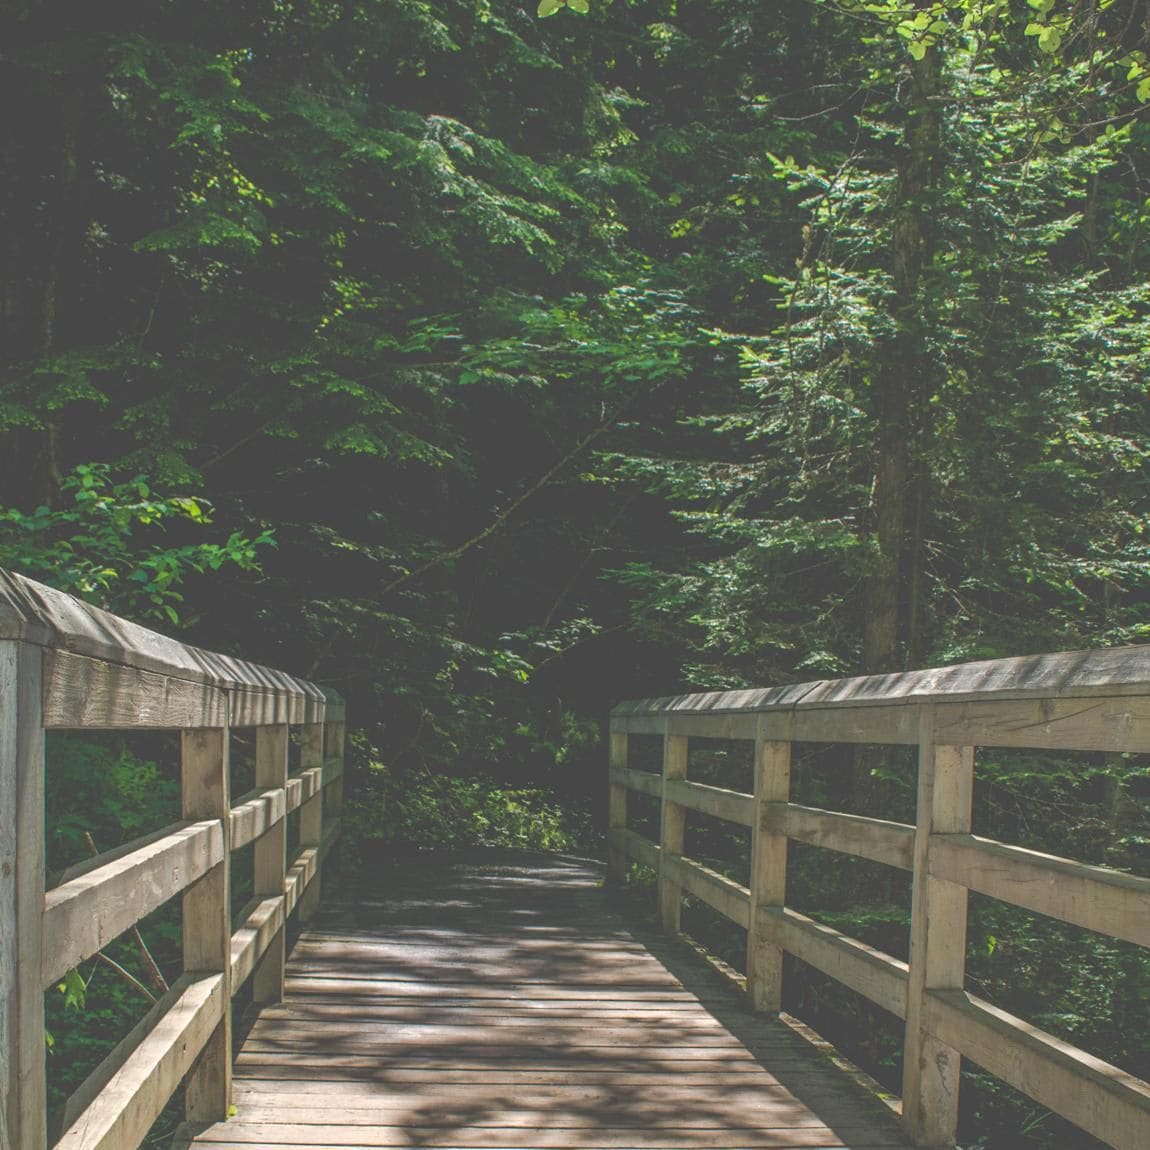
(1090, 724)
(931, 1066)
(140, 1075)
(877, 839)
(311, 815)
(303, 787)
(718, 802)
(728, 897)
(66, 624)
(261, 925)
(672, 826)
(1095, 897)
(22, 1076)
(255, 815)
(206, 919)
(1118, 672)
(270, 865)
(496, 1000)
(80, 691)
(9, 855)
(84, 915)
(768, 872)
(870, 972)
(1102, 1099)
(644, 782)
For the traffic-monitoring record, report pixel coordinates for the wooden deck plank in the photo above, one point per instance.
(461, 1006)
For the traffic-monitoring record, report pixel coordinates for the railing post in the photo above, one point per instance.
(207, 918)
(937, 940)
(23, 1090)
(311, 816)
(270, 867)
(673, 822)
(617, 812)
(768, 871)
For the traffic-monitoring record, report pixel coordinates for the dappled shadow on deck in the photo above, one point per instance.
(496, 1000)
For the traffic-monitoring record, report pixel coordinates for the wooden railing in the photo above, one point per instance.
(67, 665)
(1092, 701)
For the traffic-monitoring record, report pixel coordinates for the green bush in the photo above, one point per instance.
(428, 810)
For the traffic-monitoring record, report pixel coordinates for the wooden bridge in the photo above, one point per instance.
(507, 1005)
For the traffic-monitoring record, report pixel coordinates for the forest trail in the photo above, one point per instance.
(497, 1000)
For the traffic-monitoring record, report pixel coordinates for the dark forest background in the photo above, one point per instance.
(492, 367)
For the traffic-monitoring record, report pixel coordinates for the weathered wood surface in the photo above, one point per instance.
(1116, 672)
(505, 1005)
(84, 915)
(105, 671)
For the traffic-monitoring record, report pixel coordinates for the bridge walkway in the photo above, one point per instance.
(502, 1003)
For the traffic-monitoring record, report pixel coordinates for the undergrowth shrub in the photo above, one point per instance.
(427, 810)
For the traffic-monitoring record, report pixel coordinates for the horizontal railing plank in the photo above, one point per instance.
(254, 815)
(644, 782)
(636, 847)
(1118, 671)
(82, 916)
(876, 839)
(300, 872)
(870, 972)
(132, 1086)
(638, 725)
(1100, 1098)
(1097, 898)
(255, 707)
(897, 725)
(67, 625)
(303, 786)
(82, 692)
(720, 803)
(877, 724)
(1105, 724)
(742, 727)
(260, 920)
(720, 893)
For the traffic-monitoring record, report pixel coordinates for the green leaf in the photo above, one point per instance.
(1050, 40)
(74, 989)
(579, 5)
(549, 7)
(917, 49)
(1143, 91)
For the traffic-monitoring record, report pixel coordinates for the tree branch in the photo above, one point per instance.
(455, 552)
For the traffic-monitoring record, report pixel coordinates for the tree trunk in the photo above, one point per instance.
(894, 615)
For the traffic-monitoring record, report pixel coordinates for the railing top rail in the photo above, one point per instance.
(34, 613)
(1062, 675)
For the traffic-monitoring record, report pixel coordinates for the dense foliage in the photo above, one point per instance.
(491, 364)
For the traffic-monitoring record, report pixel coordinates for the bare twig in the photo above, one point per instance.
(460, 549)
(154, 973)
(126, 975)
